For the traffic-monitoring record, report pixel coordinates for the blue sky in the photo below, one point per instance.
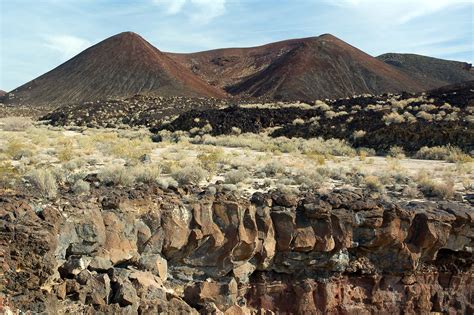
(38, 35)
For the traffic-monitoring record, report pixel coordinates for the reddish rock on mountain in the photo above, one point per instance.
(120, 66)
(308, 68)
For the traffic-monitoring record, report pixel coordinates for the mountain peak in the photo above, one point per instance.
(120, 66)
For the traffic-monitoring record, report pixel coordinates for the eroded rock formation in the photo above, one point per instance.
(186, 251)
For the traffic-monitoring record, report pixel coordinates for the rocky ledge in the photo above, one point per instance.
(186, 251)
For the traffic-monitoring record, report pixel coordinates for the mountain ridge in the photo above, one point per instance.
(307, 69)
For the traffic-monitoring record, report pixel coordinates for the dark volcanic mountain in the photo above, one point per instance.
(433, 71)
(308, 68)
(2, 93)
(120, 66)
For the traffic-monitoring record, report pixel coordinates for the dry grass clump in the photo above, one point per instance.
(127, 146)
(116, 175)
(191, 174)
(396, 152)
(357, 134)
(8, 174)
(17, 148)
(424, 115)
(265, 143)
(435, 188)
(393, 118)
(428, 107)
(273, 168)
(15, 124)
(236, 176)
(44, 181)
(209, 160)
(447, 153)
(147, 174)
(330, 114)
(81, 187)
(322, 106)
(298, 121)
(372, 183)
(469, 119)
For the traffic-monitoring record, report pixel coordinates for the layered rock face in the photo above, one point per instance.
(151, 251)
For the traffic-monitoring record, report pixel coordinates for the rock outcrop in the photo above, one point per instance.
(186, 251)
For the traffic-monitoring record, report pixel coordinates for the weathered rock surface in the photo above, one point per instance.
(152, 251)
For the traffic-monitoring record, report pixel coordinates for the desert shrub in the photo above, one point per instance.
(428, 107)
(194, 130)
(452, 117)
(44, 181)
(273, 168)
(298, 121)
(366, 151)
(393, 118)
(318, 158)
(309, 179)
(445, 106)
(146, 174)
(265, 143)
(17, 147)
(117, 175)
(327, 147)
(410, 118)
(410, 191)
(191, 174)
(432, 188)
(373, 183)
(469, 119)
(167, 182)
(81, 187)
(209, 160)
(207, 128)
(329, 114)
(65, 152)
(322, 106)
(357, 134)
(424, 115)
(236, 176)
(15, 124)
(396, 152)
(8, 174)
(447, 153)
(236, 131)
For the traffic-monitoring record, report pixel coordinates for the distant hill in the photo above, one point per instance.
(298, 69)
(120, 66)
(308, 68)
(433, 71)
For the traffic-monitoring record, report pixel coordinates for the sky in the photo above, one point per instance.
(38, 35)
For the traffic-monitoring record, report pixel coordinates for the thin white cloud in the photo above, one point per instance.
(208, 9)
(66, 45)
(401, 11)
(199, 10)
(171, 6)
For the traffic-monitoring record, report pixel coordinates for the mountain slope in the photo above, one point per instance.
(120, 66)
(435, 72)
(308, 68)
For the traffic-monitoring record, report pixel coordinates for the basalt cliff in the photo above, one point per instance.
(181, 251)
